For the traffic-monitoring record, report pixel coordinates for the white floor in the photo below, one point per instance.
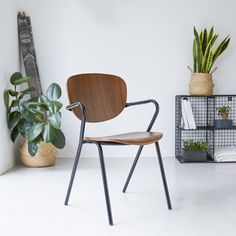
(203, 198)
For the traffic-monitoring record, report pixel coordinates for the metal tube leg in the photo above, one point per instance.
(104, 179)
(163, 176)
(132, 169)
(73, 172)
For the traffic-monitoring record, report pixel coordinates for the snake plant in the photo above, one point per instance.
(204, 56)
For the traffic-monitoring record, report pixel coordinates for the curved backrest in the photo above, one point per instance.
(104, 95)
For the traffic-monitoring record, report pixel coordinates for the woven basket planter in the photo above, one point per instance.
(201, 84)
(46, 155)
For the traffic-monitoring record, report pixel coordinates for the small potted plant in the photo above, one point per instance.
(223, 123)
(205, 54)
(195, 150)
(38, 120)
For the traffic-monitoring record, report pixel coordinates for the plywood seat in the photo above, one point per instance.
(133, 138)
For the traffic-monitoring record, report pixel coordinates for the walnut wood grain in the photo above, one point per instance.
(103, 95)
(133, 138)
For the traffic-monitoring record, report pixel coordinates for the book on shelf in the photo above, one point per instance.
(184, 122)
(187, 115)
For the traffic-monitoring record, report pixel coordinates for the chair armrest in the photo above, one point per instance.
(146, 102)
(79, 105)
(128, 104)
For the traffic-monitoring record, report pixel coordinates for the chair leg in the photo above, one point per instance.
(73, 172)
(163, 176)
(132, 169)
(104, 179)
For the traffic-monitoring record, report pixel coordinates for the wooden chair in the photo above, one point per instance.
(101, 97)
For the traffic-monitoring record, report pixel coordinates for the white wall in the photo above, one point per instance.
(9, 63)
(148, 43)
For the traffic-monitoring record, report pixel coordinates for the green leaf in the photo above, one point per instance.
(33, 99)
(207, 53)
(16, 76)
(59, 139)
(15, 103)
(224, 46)
(57, 105)
(218, 50)
(12, 92)
(22, 80)
(204, 41)
(28, 114)
(54, 106)
(6, 99)
(194, 57)
(201, 37)
(51, 106)
(41, 116)
(43, 99)
(48, 133)
(21, 96)
(14, 119)
(210, 34)
(35, 131)
(198, 49)
(53, 91)
(209, 62)
(214, 39)
(20, 127)
(14, 134)
(24, 126)
(37, 105)
(55, 120)
(28, 90)
(33, 146)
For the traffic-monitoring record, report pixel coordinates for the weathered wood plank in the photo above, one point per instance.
(26, 43)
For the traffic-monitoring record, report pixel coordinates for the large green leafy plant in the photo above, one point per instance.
(204, 56)
(37, 119)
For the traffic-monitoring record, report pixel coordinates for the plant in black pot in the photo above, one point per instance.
(38, 120)
(195, 150)
(223, 123)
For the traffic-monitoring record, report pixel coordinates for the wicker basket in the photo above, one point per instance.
(45, 156)
(201, 84)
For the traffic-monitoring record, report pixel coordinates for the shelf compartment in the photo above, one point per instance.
(204, 109)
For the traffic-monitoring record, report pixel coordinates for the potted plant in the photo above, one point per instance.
(223, 123)
(195, 150)
(204, 58)
(38, 120)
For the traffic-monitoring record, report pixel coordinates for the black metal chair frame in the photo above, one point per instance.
(82, 108)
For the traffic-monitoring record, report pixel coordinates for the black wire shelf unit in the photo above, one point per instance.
(204, 110)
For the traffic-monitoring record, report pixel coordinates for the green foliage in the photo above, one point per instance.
(191, 145)
(53, 92)
(45, 116)
(12, 100)
(203, 54)
(37, 119)
(223, 110)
